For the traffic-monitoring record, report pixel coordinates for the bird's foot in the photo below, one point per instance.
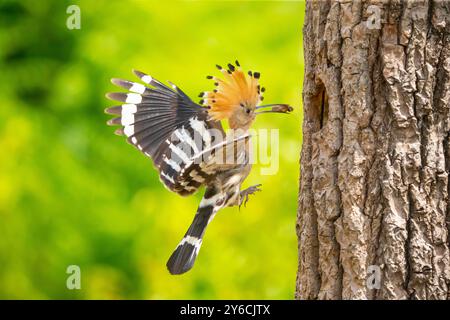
(243, 197)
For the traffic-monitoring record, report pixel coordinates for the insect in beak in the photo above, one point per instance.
(275, 108)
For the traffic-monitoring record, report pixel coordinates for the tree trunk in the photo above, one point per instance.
(373, 216)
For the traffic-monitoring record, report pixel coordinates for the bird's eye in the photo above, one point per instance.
(248, 111)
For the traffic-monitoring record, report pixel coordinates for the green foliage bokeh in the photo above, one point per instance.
(71, 192)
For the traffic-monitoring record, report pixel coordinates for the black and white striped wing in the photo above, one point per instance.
(165, 125)
(183, 148)
(225, 155)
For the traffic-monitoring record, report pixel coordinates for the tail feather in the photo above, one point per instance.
(183, 258)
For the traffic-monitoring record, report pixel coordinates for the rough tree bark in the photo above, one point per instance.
(375, 160)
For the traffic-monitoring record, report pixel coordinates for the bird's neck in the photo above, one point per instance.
(235, 125)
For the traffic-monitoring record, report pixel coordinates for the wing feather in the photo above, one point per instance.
(163, 123)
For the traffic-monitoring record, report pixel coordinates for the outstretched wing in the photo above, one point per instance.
(167, 126)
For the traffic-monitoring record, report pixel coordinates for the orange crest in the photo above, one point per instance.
(235, 90)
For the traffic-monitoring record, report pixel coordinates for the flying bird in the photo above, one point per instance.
(188, 145)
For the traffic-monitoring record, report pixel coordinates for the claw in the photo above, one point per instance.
(246, 193)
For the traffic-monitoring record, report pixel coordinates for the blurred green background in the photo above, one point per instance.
(71, 192)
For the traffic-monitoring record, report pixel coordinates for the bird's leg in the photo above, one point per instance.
(243, 195)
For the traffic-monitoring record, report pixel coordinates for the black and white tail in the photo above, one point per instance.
(183, 258)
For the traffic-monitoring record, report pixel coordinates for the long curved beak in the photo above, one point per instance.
(275, 108)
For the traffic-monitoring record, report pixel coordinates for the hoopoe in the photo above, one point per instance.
(188, 145)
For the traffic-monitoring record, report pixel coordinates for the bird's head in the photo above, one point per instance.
(237, 98)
